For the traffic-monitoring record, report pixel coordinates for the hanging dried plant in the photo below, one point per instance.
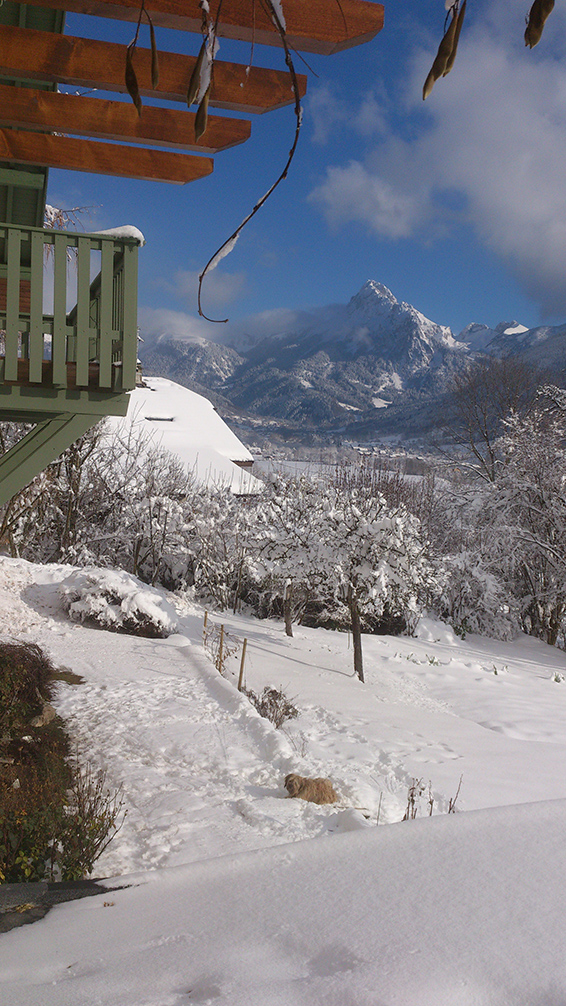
(130, 76)
(200, 84)
(275, 11)
(536, 21)
(201, 118)
(154, 59)
(194, 83)
(444, 60)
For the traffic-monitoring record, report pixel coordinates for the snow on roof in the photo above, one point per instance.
(188, 425)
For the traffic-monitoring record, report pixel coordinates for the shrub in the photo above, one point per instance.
(273, 705)
(90, 823)
(50, 832)
(25, 684)
(114, 600)
(30, 820)
(55, 819)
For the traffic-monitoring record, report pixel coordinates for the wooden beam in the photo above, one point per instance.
(116, 120)
(323, 26)
(83, 62)
(101, 158)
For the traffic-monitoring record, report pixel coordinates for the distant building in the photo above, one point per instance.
(188, 425)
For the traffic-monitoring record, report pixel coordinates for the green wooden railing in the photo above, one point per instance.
(68, 309)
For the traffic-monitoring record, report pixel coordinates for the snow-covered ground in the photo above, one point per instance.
(240, 896)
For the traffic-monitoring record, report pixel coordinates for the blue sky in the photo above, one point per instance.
(458, 204)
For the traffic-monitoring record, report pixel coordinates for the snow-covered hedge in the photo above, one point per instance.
(118, 601)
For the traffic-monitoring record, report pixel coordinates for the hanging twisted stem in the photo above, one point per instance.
(228, 245)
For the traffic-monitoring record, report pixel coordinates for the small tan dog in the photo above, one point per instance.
(314, 790)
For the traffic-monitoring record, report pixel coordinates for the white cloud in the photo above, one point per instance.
(356, 193)
(157, 322)
(326, 110)
(370, 119)
(329, 111)
(219, 287)
(493, 132)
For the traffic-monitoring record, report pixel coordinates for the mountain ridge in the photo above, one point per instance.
(371, 364)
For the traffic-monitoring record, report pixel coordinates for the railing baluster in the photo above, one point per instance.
(83, 311)
(105, 314)
(35, 347)
(59, 345)
(130, 330)
(12, 304)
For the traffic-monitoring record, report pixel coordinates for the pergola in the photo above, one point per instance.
(62, 368)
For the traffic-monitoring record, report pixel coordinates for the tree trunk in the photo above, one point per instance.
(288, 607)
(356, 633)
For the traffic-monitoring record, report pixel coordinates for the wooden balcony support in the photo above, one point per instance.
(20, 147)
(317, 26)
(29, 55)
(31, 108)
(37, 449)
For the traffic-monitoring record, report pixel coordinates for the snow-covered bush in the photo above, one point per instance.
(118, 601)
(475, 600)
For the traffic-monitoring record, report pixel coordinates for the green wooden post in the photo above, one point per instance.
(105, 314)
(35, 348)
(83, 310)
(12, 304)
(130, 317)
(59, 344)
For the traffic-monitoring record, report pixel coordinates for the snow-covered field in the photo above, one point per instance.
(240, 896)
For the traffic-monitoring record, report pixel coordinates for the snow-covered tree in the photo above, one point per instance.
(374, 557)
(529, 504)
(290, 539)
(481, 398)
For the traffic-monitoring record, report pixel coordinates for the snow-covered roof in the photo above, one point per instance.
(188, 425)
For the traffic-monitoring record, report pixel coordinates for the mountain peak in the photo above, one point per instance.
(373, 297)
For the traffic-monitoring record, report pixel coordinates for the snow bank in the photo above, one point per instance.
(462, 910)
(240, 896)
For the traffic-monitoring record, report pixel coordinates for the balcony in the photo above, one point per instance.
(68, 339)
(68, 322)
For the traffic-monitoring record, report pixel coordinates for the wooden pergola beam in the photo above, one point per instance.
(49, 111)
(66, 152)
(323, 26)
(82, 62)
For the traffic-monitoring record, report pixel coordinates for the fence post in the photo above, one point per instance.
(241, 678)
(221, 649)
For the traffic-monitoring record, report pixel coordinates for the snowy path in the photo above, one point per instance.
(202, 774)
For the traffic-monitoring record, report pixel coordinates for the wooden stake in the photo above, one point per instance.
(241, 678)
(221, 649)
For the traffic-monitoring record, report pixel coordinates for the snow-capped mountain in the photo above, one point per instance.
(327, 366)
(479, 337)
(372, 364)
